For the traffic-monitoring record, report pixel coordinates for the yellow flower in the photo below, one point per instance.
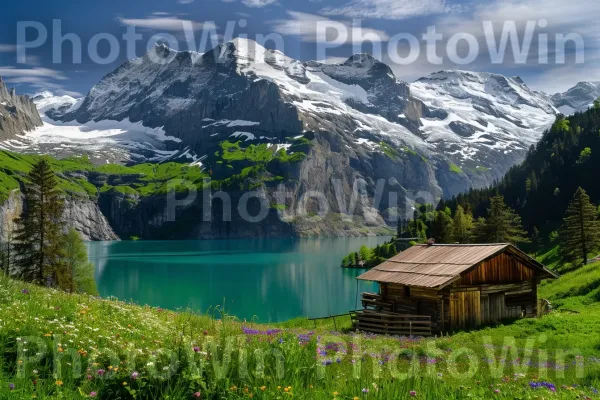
(355, 398)
(124, 383)
(263, 388)
(335, 393)
(59, 383)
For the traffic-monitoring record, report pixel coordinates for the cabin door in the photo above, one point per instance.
(465, 310)
(492, 308)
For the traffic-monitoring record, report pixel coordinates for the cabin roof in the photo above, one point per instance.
(436, 266)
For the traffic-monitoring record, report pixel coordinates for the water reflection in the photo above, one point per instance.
(268, 279)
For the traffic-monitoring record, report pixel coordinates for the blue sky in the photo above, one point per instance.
(295, 22)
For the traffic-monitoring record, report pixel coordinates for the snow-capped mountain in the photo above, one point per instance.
(470, 119)
(104, 141)
(356, 120)
(578, 98)
(482, 117)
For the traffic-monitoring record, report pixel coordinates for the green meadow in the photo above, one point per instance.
(55, 345)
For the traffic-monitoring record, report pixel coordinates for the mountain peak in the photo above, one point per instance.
(362, 60)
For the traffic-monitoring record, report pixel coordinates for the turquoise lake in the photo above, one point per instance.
(270, 280)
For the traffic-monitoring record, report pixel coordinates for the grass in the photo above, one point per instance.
(145, 180)
(126, 351)
(455, 168)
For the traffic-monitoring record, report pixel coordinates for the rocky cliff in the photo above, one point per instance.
(17, 113)
(81, 213)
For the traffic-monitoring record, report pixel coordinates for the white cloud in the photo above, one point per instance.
(387, 9)
(185, 1)
(7, 48)
(173, 24)
(258, 3)
(564, 18)
(25, 73)
(305, 26)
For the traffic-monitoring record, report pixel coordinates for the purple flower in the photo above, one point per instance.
(25, 291)
(365, 390)
(196, 349)
(93, 394)
(134, 375)
(101, 372)
(547, 385)
(11, 386)
(413, 393)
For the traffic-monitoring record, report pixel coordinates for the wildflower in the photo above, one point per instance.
(135, 375)
(25, 291)
(124, 383)
(11, 386)
(93, 394)
(59, 383)
(365, 390)
(101, 372)
(497, 391)
(196, 395)
(263, 388)
(335, 394)
(196, 349)
(413, 393)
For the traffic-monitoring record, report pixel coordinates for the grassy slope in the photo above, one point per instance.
(95, 329)
(151, 179)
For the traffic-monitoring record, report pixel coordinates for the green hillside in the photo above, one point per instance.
(55, 345)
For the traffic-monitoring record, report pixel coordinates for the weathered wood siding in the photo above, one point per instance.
(500, 269)
(465, 309)
(420, 301)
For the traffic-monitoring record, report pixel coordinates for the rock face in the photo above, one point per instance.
(80, 213)
(577, 99)
(484, 122)
(17, 113)
(85, 216)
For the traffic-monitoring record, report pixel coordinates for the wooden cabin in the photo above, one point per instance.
(429, 289)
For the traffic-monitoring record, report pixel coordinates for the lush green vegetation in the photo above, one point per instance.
(367, 257)
(126, 351)
(261, 163)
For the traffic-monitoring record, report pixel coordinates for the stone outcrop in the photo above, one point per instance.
(17, 113)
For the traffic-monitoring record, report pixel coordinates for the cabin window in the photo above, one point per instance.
(406, 291)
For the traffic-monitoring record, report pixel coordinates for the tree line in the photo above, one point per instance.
(577, 237)
(41, 249)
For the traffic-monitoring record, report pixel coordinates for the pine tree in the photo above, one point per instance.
(580, 232)
(443, 227)
(462, 229)
(391, 250)
(38, 246)
(597, 104)
(76, 262)
(503, 224)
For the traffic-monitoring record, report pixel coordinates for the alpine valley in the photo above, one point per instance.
(252, 119)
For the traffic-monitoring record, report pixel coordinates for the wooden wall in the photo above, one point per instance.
(500, 269)
(421, 301)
